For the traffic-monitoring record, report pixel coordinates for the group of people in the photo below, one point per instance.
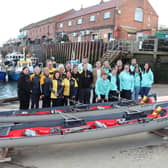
(68, 84)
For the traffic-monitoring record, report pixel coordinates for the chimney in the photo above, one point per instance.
(102, 1)
(81, 7)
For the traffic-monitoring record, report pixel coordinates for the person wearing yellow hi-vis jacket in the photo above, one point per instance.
(102, 88)
(126, 83)
(70, 88)
(57, 90)
(147, 80)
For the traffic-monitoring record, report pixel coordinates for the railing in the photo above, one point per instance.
(63, 52)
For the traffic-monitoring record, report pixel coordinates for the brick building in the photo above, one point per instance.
(119, 19)
(114, 19)
(44, 29)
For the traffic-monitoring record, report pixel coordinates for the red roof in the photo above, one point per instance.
(93, 9)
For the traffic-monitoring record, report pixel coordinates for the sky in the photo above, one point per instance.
(15, 14)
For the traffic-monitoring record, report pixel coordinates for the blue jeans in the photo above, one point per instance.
(145, 91)
(135, 94)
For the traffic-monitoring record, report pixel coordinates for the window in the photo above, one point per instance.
(95, 36)
(139, 14)
(80, 21)
(61, 25)
(106, 15)
(149, 19)
(92, 18)
(70, 23)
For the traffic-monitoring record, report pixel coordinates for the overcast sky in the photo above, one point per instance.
(15, 14)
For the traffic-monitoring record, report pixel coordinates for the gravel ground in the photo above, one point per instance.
(143, 150)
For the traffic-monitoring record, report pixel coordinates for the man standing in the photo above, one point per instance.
(52, 70)
(85, 82)
(97, 72)
(84, 61)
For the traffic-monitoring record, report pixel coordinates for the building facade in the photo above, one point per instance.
(44, 29)
(114, 19)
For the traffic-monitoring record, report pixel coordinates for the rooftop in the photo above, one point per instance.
(99, 7)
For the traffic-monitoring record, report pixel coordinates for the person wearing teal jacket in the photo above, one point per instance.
(106, 67)
(147, 80)
(133, 65)
(126, 83)
(102, 88)
(113, 94)
(137, 84)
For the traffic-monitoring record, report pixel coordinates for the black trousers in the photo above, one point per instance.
(57, 102)
(113, 96)
(35, 101)
(94, 96)
(102, 99)
(65, 100)
(46, 102)
(84, 95)
(24, 102)
(126, 94)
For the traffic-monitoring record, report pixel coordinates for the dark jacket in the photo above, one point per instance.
(86, 79)
(35, 84)
(57, 87)
(70, 87)
(46, 84)
(24, 86)
(76, 76)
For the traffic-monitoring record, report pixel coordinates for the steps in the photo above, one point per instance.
(110, 55)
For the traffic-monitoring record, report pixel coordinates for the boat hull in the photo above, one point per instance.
(2, 76)
(8, 118)
(14, 76)
(87, 135)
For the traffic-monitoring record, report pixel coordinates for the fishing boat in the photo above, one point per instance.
(15, 62)
(15, 74)
(84, 126)
(3, 73)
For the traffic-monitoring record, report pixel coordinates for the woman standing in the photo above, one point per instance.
(35, 87)
(46, 84)
(57, 90)
(137, 83)
(70, 88)
(24, 89)
(147, 80)
(126, 83)
(76, 76)
(113, 95)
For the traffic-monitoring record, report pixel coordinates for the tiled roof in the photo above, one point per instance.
(46, 21)
(95, 8)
